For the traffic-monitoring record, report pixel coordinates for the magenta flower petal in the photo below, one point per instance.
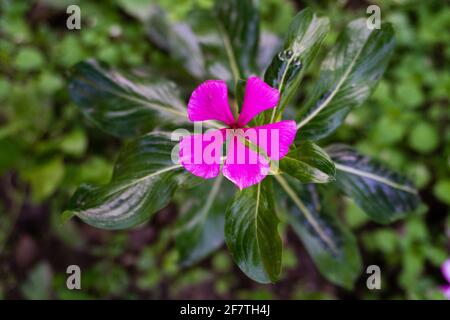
(446, 291)
(243, 166)
(200, 154)
(209, 101)
(445, 268)
(259, 96)
(274, 138)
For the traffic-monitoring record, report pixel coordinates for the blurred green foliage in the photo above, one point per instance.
(47, 148)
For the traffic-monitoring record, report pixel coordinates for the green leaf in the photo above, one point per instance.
(348, 76)
(424, 137)
(178, 40)
(240, 92)
(200, 229)
(12, 153)
(44, 178)
(251, 233)
(38, 284)
(330, 244)
(119, 106)
(382, 194)
(441, 190)
(308, 163)
(29, 59)
(143, 182)
(302, 42)
(238, 23)
(74, 143)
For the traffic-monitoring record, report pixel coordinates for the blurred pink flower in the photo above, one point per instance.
(445, 268)
(201, 154)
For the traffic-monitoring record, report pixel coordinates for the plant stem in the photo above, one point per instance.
(230, 53)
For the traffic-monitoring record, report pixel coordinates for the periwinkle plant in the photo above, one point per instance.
(212, 210)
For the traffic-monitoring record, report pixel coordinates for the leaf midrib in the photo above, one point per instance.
(313, 169)
(258, 193)
(280, 88)
(208, 203)
(162, 107)
(155, 105)
(153, 174)
(230, 53)
(336, 89)
(375, 177)
(301, 206)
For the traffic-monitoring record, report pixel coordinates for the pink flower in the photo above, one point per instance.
(445, 268)
(201, 154)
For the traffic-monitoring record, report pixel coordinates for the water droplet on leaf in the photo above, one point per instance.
(297, 61)
(285, 54)
(289, 53)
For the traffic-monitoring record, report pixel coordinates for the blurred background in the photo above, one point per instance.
(47, 148)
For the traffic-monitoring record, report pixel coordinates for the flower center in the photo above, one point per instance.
(235, 126)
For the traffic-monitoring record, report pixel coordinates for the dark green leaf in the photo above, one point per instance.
(119, 106)
(308, 163)
(11, 153)
(178, 40)
(348, 76)
(383, 194)
(251, 233)
(303, 39)
(238, 22)
(331, 245)
(143, 182)
(240, 92)
(200, 229)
